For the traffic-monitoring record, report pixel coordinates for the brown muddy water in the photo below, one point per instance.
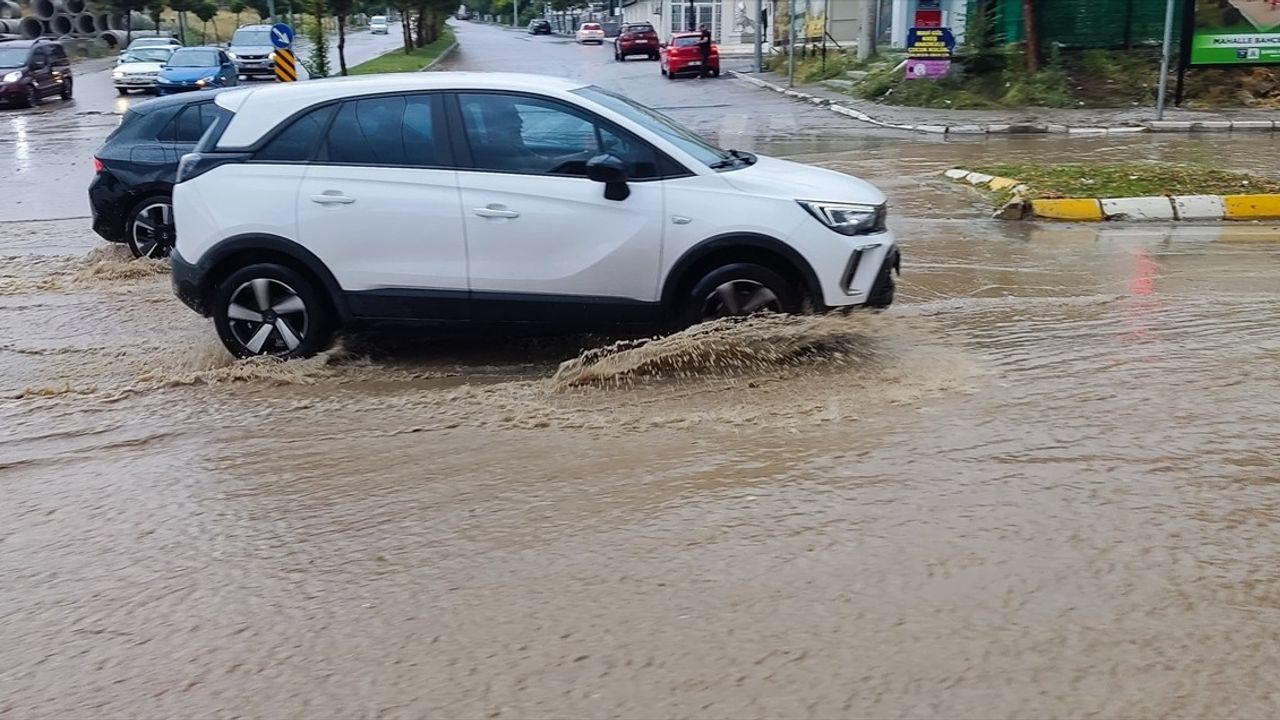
(1046, 483)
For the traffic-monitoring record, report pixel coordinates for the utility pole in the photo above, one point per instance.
(791, 44)
(271, 10)
(867, 31)
(1164, 59)
(759, 36)
(515, 13)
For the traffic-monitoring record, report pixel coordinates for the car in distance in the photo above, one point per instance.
(131, 194)
(252, 51)
(681, 55)
(590, 32)
(636, 39)
(378, 25)
(152, 41)
(139, 68)
(454, 197)
(539, 26)
(196, 68)
(31, 70)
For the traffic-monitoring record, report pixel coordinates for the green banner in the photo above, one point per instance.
(1236, 32)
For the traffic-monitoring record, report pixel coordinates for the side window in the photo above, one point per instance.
(396, 130)
(58, 53)
(295, 143)
(187, 126)
(517, 134)
(38, 59)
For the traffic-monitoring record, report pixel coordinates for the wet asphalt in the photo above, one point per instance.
(1045, 483)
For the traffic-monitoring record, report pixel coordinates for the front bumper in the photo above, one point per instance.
(12, 91)
(264, 67)
(135, 83)
(188, 282)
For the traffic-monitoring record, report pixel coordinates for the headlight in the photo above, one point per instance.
(14, 76)
(207, 80)
(848, 218)
(231, 55)
(117, 74)
(272, 56)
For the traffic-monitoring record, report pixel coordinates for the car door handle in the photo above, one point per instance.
(332, 198)
(495, 211)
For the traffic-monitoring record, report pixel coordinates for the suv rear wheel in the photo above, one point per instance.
(737, 290)
(269, 309)
(66, 89)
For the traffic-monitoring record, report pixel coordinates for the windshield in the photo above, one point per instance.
(261, 38)
(655, 121)
(194, 58)
(149, 42)
(147, 55)
(13, 57)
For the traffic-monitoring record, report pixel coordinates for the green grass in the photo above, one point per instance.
(1130, 180)
(399, 61)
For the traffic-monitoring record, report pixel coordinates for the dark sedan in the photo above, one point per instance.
(131, 194)
(539, 27)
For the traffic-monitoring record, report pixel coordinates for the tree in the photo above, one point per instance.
(154, 9)
(318, 65)
(207, 11)
(341, 9)
(181, 7)
(237, 7)
(1033, 37)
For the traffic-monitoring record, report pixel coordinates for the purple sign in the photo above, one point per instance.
(928, 69)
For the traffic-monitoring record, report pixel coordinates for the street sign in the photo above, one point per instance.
(286, 65)
(929, 52)
(282, 36)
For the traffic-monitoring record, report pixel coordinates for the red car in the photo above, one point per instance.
(682, 55)
(638, 39)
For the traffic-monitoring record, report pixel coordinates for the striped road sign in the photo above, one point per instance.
(286, 66)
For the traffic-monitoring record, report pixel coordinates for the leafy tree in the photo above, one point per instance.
(237, 7)
(318, 64)
(182, 7)
(207, 11)
(155, 9)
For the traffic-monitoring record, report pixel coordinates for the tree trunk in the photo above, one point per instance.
(1033, 38)
(342, 44)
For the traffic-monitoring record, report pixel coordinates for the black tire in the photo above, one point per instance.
(670, 75)
(31, 99)
(739, 289)
(66, 89)
(654, 56)
(123, 91)
(292, 321)
(149, 229)
(715, 73)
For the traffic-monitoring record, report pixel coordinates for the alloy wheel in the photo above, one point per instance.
(739, 297)
(153, 230)
(267, 317)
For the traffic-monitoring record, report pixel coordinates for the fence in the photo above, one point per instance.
(1083, 23)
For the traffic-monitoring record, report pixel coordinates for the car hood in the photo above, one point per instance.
(772, 177)
(184, 74)
(139, 67)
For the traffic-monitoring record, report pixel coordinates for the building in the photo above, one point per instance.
(733, 25)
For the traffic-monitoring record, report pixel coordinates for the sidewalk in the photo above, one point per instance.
(1021, 120)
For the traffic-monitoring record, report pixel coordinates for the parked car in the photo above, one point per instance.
(139, 68)
(378, 25)
(461, 197)
(31, 70)
(252, 51)
(539, 27)
(636, 39)
(681, 55)
(196, 68)
(132, 189)
(590, 33)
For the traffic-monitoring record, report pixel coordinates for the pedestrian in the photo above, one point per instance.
(704, 48)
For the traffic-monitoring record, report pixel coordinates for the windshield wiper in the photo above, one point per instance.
(735, 157)
(745, 157)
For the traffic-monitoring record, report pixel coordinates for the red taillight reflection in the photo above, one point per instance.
(97, 165)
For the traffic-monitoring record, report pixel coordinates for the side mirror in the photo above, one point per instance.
(609, 170)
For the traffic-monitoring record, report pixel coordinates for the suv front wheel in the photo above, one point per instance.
(269, 309)
(737, 290)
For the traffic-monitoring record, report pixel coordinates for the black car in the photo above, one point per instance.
(539, 27)
(31, 70)
(132, 192)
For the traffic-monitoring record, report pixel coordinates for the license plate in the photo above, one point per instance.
(642, 42)
(695, 63)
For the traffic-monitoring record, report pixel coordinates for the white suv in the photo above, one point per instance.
(500, 198)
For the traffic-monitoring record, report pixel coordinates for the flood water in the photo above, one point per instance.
(1045, 483)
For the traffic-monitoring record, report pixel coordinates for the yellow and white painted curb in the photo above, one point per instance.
(1157, 208)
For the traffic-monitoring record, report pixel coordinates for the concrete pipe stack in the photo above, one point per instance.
(60, 25)
(10, 10)
(44, 9)
(73, 7)
(84, 26)
(101, 22)
(114, 39)
(31, 28)
(9, 27)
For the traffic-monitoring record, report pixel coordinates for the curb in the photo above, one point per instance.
(1150, 126)
(1158, 208)
(440, 58)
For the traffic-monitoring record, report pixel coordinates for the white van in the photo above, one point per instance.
(378, 25)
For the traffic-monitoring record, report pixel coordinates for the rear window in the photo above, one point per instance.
(590, 26)
(638, 28)
(687, 41)
(191, 122)
(130, 117)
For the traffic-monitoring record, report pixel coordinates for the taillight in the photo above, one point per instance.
(98, 166)
(628, 36)
(196, 163)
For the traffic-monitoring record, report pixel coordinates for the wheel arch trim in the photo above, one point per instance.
(250, 242)
(677, 276)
